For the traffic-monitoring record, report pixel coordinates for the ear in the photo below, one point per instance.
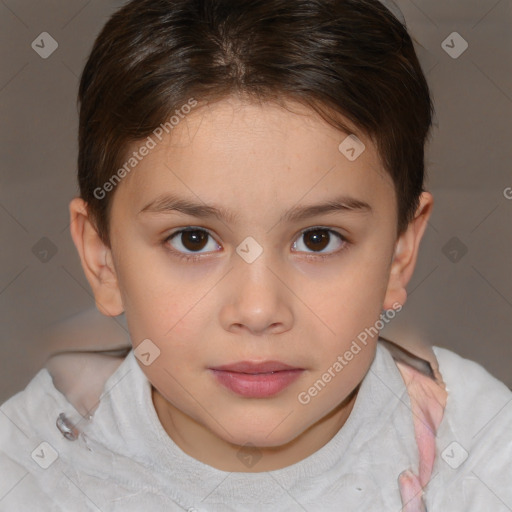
(96, 260)
(406, 253)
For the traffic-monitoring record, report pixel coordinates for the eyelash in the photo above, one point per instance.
(189, 257)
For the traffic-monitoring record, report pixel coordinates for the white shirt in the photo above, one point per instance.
(127, 462)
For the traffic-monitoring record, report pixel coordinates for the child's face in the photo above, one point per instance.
(257, 163)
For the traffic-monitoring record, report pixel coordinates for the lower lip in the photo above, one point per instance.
(257, 385)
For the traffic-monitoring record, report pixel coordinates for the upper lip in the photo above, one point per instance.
(252, 367)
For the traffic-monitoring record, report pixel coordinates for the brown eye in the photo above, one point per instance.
(187, 241)
(318, 239)
(194, 240)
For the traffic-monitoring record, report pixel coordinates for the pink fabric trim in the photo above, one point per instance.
(428, 401)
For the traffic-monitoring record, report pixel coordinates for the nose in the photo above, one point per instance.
(258, 299)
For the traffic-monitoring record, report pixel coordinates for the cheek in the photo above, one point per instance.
(335, 382)
(351, 298)
(347, 307)
(150, 284)
(164, 308)
(151, 274)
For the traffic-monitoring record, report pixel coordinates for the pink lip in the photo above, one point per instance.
(255, 380)
(250, 367)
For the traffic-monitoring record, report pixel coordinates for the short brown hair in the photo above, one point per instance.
(348, 57)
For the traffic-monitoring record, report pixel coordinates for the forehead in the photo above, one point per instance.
(249, 155)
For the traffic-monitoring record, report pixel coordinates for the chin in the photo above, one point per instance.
(264, 437)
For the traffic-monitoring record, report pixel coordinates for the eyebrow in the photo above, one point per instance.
(172, 204)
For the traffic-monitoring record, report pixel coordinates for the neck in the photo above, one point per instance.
(202, 444)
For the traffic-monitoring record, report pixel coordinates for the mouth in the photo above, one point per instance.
(256, 380)
(255, 368)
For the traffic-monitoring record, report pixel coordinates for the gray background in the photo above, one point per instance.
(460, 296)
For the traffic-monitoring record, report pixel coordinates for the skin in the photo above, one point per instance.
(257, 161)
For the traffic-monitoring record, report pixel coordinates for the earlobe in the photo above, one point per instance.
(96, 259)
(406, 253)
